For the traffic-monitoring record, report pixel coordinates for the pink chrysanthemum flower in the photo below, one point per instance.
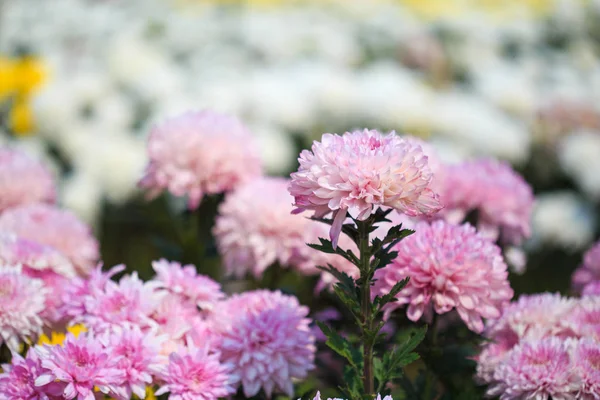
(450, 267)
(139, 355)
(255, 227)
(23, 180)
(196, 375)
(534, 317)
(492, 355)
(32, 255)
(129, 302)
(589, 271)
(81, 364)
(79, 289)
(17, 381)
(536, 370)
(583, 320)
(174, 317)
(503, 198)
(199, 153)
(586, 357)
(21, 304)
(359, 171)
(591, 289)
(267, 338)
(54, 227)
(184, 281)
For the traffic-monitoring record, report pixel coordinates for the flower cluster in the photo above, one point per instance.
(588, 274)
(177, 332)
(543, 346)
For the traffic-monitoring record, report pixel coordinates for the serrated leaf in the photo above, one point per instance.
(325, 246)
(341, 346)
(345, 281)
(383, 259)
(354, 385)
(402, 354)
(389, 297)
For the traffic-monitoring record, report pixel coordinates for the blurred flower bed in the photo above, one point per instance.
(82, 83)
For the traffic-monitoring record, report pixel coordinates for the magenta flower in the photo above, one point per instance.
(196, 375)
(17, 381)
(591, 289)
(23, 180)
(199, 153)
(534, 317)
(359, 171)
(589, 271)
(184, 281)
(267, 338)
(54, 227)
(129, 302)
(536, 370)
(587, 361)
(78, 290)
(503, 198)
(21, 304)
(450, 267)
(139, 357)
(81, 364)
(583, 320)
(255, 228)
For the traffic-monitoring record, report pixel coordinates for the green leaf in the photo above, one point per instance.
(402, 354)
(327, 247)
(383, 259)
(389, 297)
(341, 346)
(354, 385)
(345, 281)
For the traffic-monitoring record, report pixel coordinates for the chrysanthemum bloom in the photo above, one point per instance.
(534, 316)
(318, 397)
(54, 227)
(591, 289)
(503, 199)
(129, 302)
(199, 153)
(81, 364)
(184, 281)
(450, 267)
(255, 227)
(359, 171)
(140, 357)
(174, 317)
(23, 180)
(589, 271)
(492, 355)
(537, 370)
(586, 356)
(21, 304)
(584, 318)
(267, 339)
(17, 381)
(196, 375)
(79, 289)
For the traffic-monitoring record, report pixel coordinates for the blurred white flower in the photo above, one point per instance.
(579, 155)
(564, 219)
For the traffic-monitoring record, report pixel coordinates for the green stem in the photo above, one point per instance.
(365, 276)
(429, 376)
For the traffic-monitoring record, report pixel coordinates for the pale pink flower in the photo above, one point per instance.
(587, 360)
(174, 317)
(139, 357)
(23, 180)
(54, 227)
(195, 374)
(128, 302)
(534, 317)
(318, 397)
(79, 289)
(184, 281)
(81, 364)
(536, 370)
(17, 381)
(21, 305)
(450, 267)
(583, 320)
(491, 356)
(54, 285)
(503, 199)
(360, 171)
(591, 289)
(255, 228)
(589, 271)
(267, 338)
(199, 153)
(33, 255)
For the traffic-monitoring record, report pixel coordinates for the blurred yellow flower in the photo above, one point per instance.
(57, 338)
(19, 79)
